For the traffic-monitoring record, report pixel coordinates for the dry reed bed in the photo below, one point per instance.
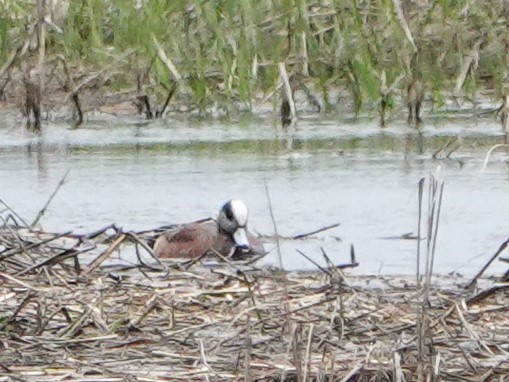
(59, 321)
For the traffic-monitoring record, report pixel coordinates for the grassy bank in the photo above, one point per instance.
(226, 53)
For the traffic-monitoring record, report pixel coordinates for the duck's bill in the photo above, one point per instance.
(240, 237)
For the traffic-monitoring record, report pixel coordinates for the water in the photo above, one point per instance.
(143, 176)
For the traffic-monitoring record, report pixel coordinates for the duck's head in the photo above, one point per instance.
(232, 220)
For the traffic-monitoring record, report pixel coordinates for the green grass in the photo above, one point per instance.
(228, 50)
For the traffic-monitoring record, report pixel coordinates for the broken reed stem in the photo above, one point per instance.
(324, 270)
(288, 90)
(152, 303)
(436, 190)
(304, 235)
(429, 221)
(419, 218)
(30, 295)
(296, 352)
(93, 235)
(77, 104)
(74, 96)
(43, 210)
(68, 253)
(286, 307)
(248, 346)
(307, 357)
(404, 23)
(435, 231)
(17, 238)
(134, 237)
(72, 329)
(167, 101)
(271, 211)
(17, 281)
(398, 372)
(204, 359)
(463, 353)
(488, 154)
(435, 194)
(252, 297)
(41, 31)
(142, 263)
(103, 256)
(15, 214)
(319, 230)
(502, 247)
(429, 232)
(305, 64)
(165, 60)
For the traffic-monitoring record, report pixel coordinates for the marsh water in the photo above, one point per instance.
(143, 175)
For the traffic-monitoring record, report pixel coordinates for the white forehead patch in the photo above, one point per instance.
(239, 211)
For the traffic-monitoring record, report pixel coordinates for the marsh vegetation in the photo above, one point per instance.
(229, 56)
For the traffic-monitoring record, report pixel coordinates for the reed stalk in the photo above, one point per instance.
(228, 51)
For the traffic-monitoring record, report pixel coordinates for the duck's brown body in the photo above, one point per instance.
(192, 240)
(196, 239)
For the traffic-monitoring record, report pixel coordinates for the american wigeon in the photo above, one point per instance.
(227, 235)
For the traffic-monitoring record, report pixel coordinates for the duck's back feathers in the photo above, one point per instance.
(189, 241)
(196, 239)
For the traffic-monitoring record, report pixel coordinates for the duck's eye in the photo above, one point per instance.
(228, 211)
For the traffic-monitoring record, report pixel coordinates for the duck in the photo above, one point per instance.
(226, 235)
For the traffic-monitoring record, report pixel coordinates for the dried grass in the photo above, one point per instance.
(191, 322)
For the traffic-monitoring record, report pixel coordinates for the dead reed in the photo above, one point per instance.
(62, 318)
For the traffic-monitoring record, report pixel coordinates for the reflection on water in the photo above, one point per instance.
(141, 179)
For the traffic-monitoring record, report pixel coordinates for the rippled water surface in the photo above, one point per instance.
(142, 176)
